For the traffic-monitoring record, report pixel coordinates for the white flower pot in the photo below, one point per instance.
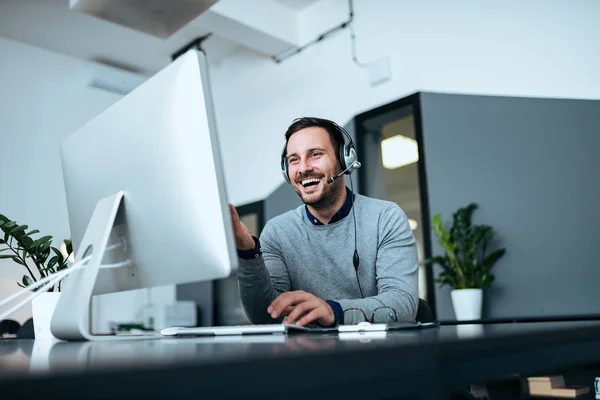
(42, 308)
(467, 303)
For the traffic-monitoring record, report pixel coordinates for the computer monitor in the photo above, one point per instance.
(146, 174)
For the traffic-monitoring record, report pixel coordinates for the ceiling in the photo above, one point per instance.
(50, 24)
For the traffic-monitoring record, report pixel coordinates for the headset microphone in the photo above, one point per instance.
(354, 165)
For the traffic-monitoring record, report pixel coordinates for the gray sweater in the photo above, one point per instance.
(298, 255)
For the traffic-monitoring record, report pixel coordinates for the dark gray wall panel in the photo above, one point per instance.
(532, 165)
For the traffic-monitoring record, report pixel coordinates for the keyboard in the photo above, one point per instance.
(225, 330)
(243, 330)
(289, 328)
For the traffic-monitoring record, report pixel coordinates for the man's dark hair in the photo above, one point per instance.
(335, 135)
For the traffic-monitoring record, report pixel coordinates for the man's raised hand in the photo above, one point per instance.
(243, 237)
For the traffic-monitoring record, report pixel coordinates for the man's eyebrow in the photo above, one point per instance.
(308, 151)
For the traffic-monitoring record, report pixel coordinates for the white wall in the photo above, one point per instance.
(546, 48)
(44, 97)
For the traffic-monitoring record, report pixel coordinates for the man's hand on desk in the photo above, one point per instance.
(301, 308)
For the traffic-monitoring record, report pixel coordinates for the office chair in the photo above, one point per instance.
(424, 313)
(9, 326)
(26, 331)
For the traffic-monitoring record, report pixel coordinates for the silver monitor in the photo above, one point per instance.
(145, 179)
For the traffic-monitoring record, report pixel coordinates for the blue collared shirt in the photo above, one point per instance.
(339, 215)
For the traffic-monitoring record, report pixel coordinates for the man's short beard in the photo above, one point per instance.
(327, 197)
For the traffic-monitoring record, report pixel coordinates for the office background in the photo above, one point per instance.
(538, 48)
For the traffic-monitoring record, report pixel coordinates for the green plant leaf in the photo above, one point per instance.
(4, 249)
(492, 258)
(27, 242)
(44, 255)
(41, 241)
(2, 222)
(45, 246)
(3, 256)
(443, 280)
(53, 261)
(61, 259)
(69, 246)
(18, 260)
(442, 260)
(21, 285)
(20, 228)
(32, 232)
(26, 280)
(9, 225)
(465, 263)
(58, 254)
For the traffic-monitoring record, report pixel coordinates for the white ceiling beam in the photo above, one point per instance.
(161, 18)
(266, 27)
(320, 17)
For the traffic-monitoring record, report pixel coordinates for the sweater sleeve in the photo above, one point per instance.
(262, 279)
(396, 269)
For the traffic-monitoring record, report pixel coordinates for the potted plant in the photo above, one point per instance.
(19, 245)
(466, 263)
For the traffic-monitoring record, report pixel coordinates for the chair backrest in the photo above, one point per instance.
(424, 313)
(9, 326)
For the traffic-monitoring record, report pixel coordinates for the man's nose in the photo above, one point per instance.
(304, 166)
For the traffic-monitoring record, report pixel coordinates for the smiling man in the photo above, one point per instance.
(340, 255)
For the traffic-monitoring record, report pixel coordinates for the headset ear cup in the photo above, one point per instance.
(347, 151)
(284, 165)
(351, 158)
(285, 176)
(342, 156)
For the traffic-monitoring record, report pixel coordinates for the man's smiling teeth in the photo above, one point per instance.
(310, 180)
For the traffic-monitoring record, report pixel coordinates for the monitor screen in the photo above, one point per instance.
(159, 148)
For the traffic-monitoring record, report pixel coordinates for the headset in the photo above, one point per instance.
(346, 151)
(348, 162)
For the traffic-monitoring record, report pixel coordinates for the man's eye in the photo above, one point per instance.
(316, 154)
(293, 159)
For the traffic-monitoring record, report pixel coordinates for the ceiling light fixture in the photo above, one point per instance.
(413, 224)
(398, 151)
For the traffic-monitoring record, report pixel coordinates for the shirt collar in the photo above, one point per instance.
(340, 214)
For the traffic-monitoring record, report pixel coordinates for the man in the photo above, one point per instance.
(304, 267)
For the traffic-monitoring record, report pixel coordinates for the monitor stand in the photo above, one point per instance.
(71, 319)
